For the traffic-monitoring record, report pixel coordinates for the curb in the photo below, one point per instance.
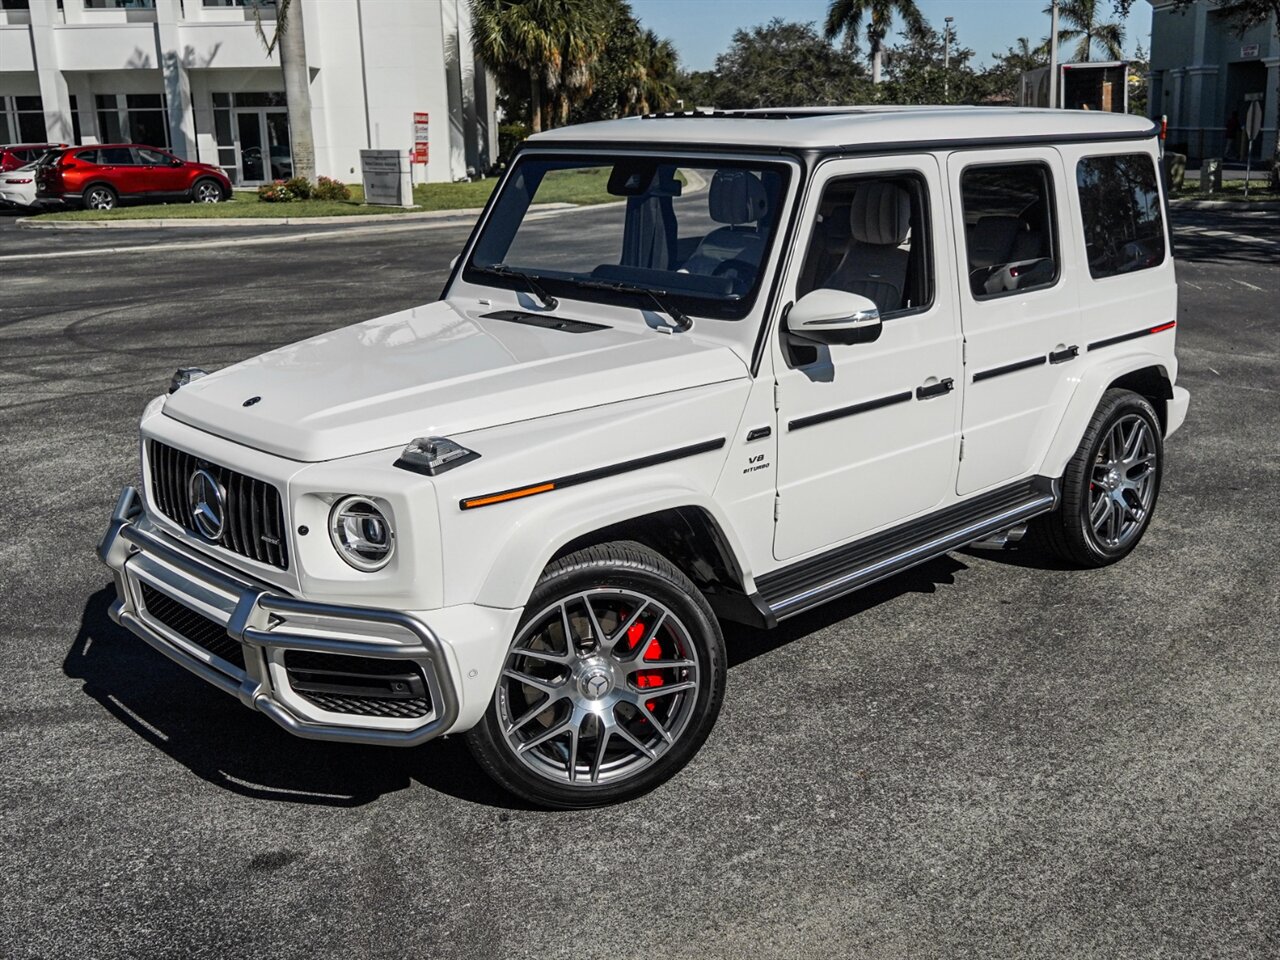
(467, 213)
(1220, 204)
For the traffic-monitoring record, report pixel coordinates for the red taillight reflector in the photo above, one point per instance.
(1164, 326)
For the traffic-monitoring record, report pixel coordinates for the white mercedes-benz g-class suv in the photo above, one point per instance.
(784, 355)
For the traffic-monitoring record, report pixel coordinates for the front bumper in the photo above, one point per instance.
(265, 625)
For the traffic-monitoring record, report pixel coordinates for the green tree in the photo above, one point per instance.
(1004, 76)
(289, 38)
(844, 17)
(547, 47)
(783, 64)
(918, 71)
(1244, 15)
(1081, 20)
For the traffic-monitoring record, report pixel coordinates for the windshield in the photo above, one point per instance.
(695, 232)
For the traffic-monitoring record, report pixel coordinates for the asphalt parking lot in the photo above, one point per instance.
(985, 757)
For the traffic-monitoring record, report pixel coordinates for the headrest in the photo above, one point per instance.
(736, 196)
(880, 214)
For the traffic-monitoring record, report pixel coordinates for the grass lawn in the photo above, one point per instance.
(1231, 190)
(561, 186)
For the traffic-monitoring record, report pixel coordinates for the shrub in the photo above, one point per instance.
(277, 192)
(509, 137)
(299, 187)
(327, 188)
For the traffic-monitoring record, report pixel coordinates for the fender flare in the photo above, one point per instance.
(1085, 399)
(520, 560)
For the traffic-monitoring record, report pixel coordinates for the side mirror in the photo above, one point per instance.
(834, 316)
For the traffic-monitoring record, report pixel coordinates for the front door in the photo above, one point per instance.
(253, 160)
(867, 433)
(263, 138)
(1018, 301)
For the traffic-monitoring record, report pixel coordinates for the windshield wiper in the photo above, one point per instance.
(530, 280)
(660, 298)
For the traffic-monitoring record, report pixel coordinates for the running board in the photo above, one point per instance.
(808, 583)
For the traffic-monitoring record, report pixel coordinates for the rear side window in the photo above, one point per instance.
(1011, 237)
(121, 156)
(86, 156)
(1120, 207)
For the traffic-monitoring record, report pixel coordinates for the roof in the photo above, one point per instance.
(819, 127)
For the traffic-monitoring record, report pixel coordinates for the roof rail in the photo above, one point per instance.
(781, 113)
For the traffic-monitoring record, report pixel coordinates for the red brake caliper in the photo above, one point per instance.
(649, 679)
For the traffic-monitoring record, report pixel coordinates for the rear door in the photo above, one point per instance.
(1019, 308)
(121, 169)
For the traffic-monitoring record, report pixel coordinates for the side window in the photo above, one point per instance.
(1120, 207)
(85, 156)
(870, 239)
(1010, 236)
(118, 156)
(152, 158)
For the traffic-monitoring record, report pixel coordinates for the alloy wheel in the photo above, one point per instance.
(208, 193)
(1122, 486)
(101, 199)
(597, 687)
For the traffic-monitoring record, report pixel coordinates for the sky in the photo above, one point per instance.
(701, 29)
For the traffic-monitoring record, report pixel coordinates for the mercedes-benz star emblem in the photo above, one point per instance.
(207, 501)
(596, 685)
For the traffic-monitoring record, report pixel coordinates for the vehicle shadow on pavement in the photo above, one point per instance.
(1202, 248)
(219, 740)
(746, 643)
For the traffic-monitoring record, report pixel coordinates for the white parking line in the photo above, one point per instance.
(1245, 283)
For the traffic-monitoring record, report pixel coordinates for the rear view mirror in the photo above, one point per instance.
(834, 316)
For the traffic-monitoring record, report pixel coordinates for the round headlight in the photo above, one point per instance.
(361, 534)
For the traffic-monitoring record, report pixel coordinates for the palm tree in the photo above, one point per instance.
(845, 17)
(659, 65)
(288, 37)
(1083, 23)
(551, 44)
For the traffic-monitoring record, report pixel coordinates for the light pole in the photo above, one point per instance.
(946, 59)
(1053, 55)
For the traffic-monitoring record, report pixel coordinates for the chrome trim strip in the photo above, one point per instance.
(249, 624)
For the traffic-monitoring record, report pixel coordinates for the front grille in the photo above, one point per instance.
(253, 522)
(365, 686)
(192, 626)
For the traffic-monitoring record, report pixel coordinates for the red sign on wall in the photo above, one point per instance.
(421, 137)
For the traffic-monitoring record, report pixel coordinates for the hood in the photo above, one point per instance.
(434, 370)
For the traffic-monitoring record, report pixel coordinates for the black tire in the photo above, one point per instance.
(631, 568)
(99, 196)
(200, 189)
(1068, 533)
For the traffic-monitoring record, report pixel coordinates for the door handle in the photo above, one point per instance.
(1064, 354)
(934, 389)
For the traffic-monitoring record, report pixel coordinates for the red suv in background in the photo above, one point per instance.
(102, 175)
(15, 155)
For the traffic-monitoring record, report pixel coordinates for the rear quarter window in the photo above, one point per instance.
(1121, 212)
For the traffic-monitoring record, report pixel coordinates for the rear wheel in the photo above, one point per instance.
(613, 681)
(206, 191)
(1110, 487)
(99, 197)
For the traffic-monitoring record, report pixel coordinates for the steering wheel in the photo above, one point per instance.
(740, 271)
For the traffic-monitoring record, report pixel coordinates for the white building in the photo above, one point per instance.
(193, 76)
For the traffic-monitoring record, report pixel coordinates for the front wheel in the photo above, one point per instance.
(206, 191)
(1110, 486)
(613, 681)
